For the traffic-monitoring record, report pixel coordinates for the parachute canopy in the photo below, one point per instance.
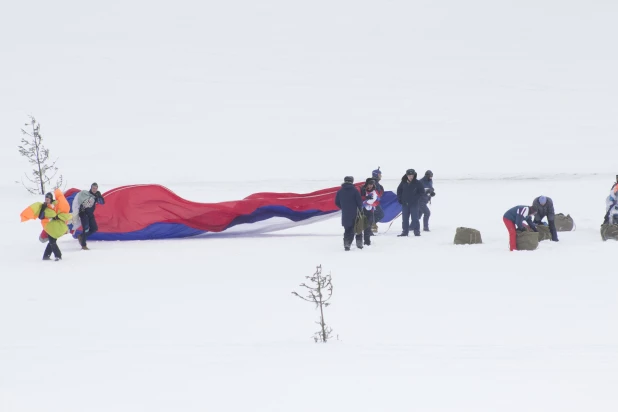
(143, 212)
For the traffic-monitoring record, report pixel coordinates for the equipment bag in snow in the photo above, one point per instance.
(527, 240)
(609, 232)
(564, 223)
(544, 233)
(361, 223)
(467, 236)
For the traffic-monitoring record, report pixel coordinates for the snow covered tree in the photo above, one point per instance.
(319, 292)
(44, 171)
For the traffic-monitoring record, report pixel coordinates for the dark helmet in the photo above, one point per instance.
(348, 179)
(429, 173)
(50, 196)
(370, 181)
(376, 173)
(411, 172)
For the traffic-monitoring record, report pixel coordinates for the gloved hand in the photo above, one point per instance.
(432, 194)
(521, 229)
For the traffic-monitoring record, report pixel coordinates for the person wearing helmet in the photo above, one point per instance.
(348, 199)
(409, 193)
(545, 207)
(424, 211)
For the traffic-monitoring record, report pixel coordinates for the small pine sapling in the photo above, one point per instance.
(319, 293)
(32, 148)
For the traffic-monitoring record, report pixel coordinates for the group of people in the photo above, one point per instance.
(54, 215)
(414, 196)
(523, 218)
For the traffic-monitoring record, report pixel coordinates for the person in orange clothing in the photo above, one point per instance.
(53, 215)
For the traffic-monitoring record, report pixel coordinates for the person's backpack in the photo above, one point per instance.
(564, 223)
(467, 236)
(527, 240)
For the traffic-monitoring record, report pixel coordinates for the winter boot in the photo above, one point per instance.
(359, 241)
(403, 234)
(46, 257)
(346, 245)
(426, 229)
(84, 247)
(58, 258)
(417, 233)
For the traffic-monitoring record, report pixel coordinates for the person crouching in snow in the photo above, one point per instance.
(348, 199)
(517, 219)
(371, 200)
(85, 202)
(53, 215)
(545, 207)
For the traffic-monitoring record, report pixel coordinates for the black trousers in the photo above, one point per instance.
(52, 246)
(89, 226)
(348, 235)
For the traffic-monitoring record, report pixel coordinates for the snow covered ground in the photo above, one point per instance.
(504, 101)
(423, 325)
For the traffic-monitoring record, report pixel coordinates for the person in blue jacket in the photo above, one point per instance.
(515, 219)
(424, 211)
(409, 193)
(348, 199)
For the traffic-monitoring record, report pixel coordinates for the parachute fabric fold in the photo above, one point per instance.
(141, 212)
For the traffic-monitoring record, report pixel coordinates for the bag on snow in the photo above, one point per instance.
(361, 223)
(609, 232)
(564, 223)
(467, 236)
(544, 233)
(527, 240)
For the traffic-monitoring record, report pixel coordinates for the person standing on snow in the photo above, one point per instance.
(85, 202)
(545, 207)
(379, 213)
(409, 193)
(515, 219)
(424, 211)
(348, 199)
(371, 200)
(611, 206)
(53, 215)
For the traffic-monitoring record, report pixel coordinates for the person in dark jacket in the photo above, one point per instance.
(545, 207)
(379, 213)
(515, 219)
(86, 213)
(409, 193)
(348, 199)
(424, 211)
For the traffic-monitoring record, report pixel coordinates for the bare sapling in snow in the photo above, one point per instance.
(43, 171)
(319, 291)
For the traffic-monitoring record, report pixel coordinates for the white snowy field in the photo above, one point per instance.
(422, 325)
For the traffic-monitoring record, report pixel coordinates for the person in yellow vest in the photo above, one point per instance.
(53, 215)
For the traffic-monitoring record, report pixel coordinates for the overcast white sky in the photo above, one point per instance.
(136, 91)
